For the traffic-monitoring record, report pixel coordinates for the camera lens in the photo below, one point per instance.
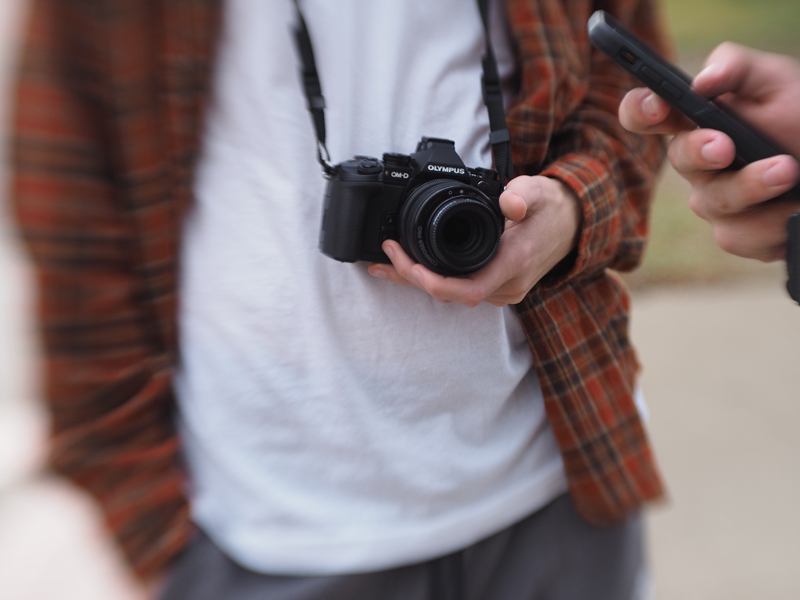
(457, 231)
(450, 227)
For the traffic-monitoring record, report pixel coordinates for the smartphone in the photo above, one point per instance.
(675, 87)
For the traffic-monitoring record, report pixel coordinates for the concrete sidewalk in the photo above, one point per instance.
(722, 379)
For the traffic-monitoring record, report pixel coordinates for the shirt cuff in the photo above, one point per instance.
(591, 180)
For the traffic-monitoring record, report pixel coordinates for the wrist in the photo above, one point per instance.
(571, 215)
(570, 218)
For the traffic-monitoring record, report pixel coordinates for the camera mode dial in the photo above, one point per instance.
(369, 166)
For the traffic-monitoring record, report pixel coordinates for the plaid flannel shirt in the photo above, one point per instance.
(107, 126)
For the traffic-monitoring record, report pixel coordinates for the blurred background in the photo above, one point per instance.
(718, 337)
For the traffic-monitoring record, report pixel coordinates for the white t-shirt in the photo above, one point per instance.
(334, 422)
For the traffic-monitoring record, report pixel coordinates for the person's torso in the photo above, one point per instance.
(334, 422)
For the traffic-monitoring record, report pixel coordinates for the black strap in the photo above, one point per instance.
(499, 136)
(312, 88)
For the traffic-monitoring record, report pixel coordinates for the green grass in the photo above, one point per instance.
(682, 250)
(699, 25)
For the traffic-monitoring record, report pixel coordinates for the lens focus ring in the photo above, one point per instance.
(450, 227)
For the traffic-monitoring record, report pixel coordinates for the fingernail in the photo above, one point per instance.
(387, 249)
(710, 152)
(777, 175)
(379, 273)
(711, 69)
(649, 106)
(704, 73)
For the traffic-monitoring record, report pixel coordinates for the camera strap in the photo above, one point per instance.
(313, 89)
(499, 136)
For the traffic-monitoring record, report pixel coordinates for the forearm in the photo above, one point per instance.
(610, 170)
(107, 382)
(613, 180)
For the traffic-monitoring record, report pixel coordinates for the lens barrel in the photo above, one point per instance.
(450, 227)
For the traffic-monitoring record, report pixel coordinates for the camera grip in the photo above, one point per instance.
(344, 216)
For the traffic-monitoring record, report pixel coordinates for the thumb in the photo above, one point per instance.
(520, 195)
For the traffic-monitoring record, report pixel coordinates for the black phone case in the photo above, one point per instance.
(675, 87)
(793, 257)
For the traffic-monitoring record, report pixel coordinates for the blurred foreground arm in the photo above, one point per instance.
(107, 376)
(764, 90)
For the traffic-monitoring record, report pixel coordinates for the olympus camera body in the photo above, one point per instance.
(445, 215)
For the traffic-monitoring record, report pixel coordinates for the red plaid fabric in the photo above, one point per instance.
(109, 107)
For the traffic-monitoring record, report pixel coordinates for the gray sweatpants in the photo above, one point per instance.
(551, 555)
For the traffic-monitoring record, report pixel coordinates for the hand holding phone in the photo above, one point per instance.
(675, 87)
(763, 89)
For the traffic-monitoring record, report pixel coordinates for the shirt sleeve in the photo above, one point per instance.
(107, 382)
(611, 170)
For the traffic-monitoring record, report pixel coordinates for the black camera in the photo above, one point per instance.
(445, 215)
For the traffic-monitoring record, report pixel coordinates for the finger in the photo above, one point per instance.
(759, 234)
(504, 299)
(734, 192)
(465, 290)
(735, 68)
(525, 194)
(513, 204)
(700, 151)
(495, 279)
(388, 272)
(642, 111)
(415, 274)
(497, 303)
(507, 278)
(401, 262)
(521, 195)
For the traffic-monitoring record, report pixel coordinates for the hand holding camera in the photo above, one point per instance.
(438, 221)
(543, 220)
